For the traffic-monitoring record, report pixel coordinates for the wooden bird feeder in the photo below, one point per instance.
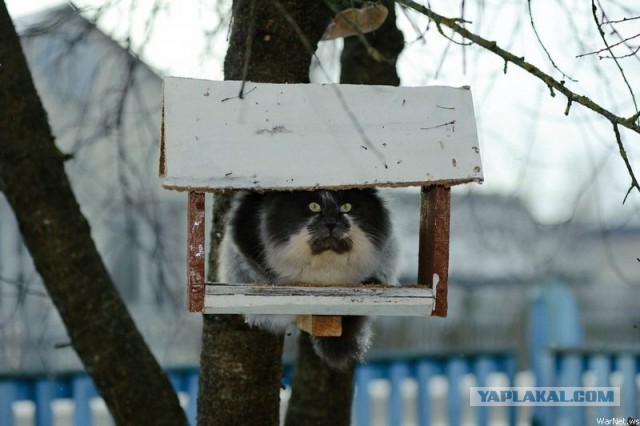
(280, 137)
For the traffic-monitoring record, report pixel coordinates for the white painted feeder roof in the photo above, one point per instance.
(304, 136)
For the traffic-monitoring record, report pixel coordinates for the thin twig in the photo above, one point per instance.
(625, 158)
(343, 102)
(594, 9)
(626, 40)
(552, 83)
(248, 46)
(544, 48)
(620, 21)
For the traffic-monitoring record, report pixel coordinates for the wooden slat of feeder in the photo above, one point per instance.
(310, 299)
(195, 252)
(433, 253)
(308, 136)
(320, 325)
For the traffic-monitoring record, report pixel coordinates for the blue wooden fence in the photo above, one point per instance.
(423, 369)
(558, 358)
(569, 366)
(80, 388)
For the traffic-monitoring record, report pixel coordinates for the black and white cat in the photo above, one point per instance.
(324, 237)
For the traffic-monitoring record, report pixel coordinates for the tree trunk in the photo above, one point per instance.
(33, 179)
(241, 367)
(322, 396)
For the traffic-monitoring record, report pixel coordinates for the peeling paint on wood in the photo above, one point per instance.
(334, 136)
(433, 252)
(195, 252)
(309, 299)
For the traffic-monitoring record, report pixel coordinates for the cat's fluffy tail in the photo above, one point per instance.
(342, 351)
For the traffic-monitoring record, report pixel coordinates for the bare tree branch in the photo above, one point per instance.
(594, 10)
(633, 50)
(623, 154)
(552, 83)
(542, 45)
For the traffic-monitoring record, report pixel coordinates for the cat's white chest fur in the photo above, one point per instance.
(294, 260)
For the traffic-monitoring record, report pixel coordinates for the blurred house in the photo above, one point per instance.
(500, 258)
(104, 108)
(103, 105)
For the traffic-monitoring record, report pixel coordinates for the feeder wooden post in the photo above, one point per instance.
(433, 252)
(195, 252)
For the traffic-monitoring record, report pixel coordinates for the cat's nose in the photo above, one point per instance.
(330, 226)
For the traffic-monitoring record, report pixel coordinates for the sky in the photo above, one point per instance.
(23, 7)
(560, 166)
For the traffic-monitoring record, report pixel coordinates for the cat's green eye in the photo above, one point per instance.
(345, 208)
(315, 207)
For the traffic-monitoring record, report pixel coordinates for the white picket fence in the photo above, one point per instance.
(418, 392)
(379, 391)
